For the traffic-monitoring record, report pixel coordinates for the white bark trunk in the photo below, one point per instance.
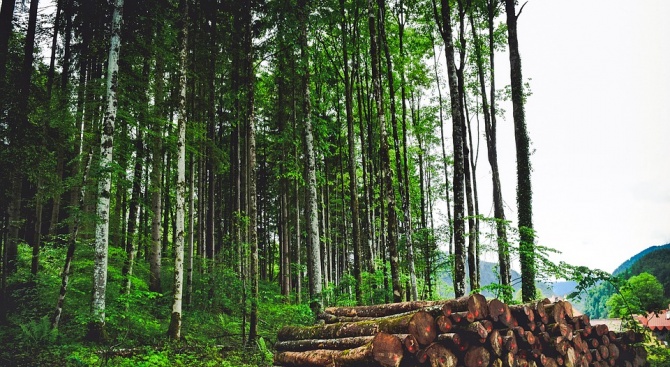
(104, 185)
(175, 322)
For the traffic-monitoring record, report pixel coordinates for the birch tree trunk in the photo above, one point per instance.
(353, 185)
(252, 173)
(313, 248)
(174, 331)
(97, 326)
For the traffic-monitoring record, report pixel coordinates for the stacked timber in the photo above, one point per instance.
(469, 331)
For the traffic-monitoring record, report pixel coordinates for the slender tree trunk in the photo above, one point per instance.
(72, 245)
(6, 23)
(97, 326)
(445, 160)
(406, 200)
(499, 209)
(387, 175)
(524, 192)
(191, 232)
(457, 120)
(155, 257)
(353, 184)
(252, 172)
(491, 146)
(313, 248)
(174, 330)
(134, 210)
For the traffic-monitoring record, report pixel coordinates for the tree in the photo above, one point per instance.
(524, 192)
(313, 248)
(386, 173)
(444, 24)
(97, 326)
(490, 128)
(640, 293)
(174, 330)
(353, 184)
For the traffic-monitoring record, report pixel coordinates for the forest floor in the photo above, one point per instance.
(137, 324)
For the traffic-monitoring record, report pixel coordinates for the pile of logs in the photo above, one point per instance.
(469, 331)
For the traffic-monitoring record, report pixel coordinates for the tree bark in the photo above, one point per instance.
(97, 326)
(353, 184)
(459, 168)
(524, 193)
(72, 246)
(386, 173)
(382, 350)
(313, 248)
(174, 330)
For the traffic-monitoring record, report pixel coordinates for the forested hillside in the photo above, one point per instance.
(652, 261)
(180, 178)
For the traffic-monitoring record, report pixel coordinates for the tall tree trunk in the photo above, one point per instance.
(97, 326)
(387, 175)
(191, 231)
(406, 199)
(134, 210)
(6, 23)
(353, 184)
(72, 245)
(174, 330)
(312, 213)
(499, 208)
(252, 172)
(457, 132)
(524, 192)
(445, 160)
(491, 146)
(155, 257)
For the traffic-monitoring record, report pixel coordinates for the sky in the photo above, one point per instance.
(599, 121)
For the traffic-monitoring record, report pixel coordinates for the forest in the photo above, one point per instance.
(181, 178)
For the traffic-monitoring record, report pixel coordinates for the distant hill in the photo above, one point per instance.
(628, 263)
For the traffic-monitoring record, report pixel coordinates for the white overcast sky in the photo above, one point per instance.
(599, 121)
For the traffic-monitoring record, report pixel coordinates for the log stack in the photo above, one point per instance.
(470, 331)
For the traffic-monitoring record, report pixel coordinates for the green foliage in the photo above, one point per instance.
(640, 293)
(38, 334)
(656, 264)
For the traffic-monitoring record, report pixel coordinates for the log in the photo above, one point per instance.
(601, 329)
(496, 308)
(422, 326)
(312, 344)
(477, 357)
(332, 344)
(410, 343)
(449, 339)
(392, 325)
(319, 357)
(384, 350)
(509, 343)
(332, 319)
(439, 356)
(540, 313)
(496, 342)
(444, 324)
(466, 303)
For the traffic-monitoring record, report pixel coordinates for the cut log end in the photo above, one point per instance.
(423, 327)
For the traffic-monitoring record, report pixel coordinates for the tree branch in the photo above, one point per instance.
(520, 10)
